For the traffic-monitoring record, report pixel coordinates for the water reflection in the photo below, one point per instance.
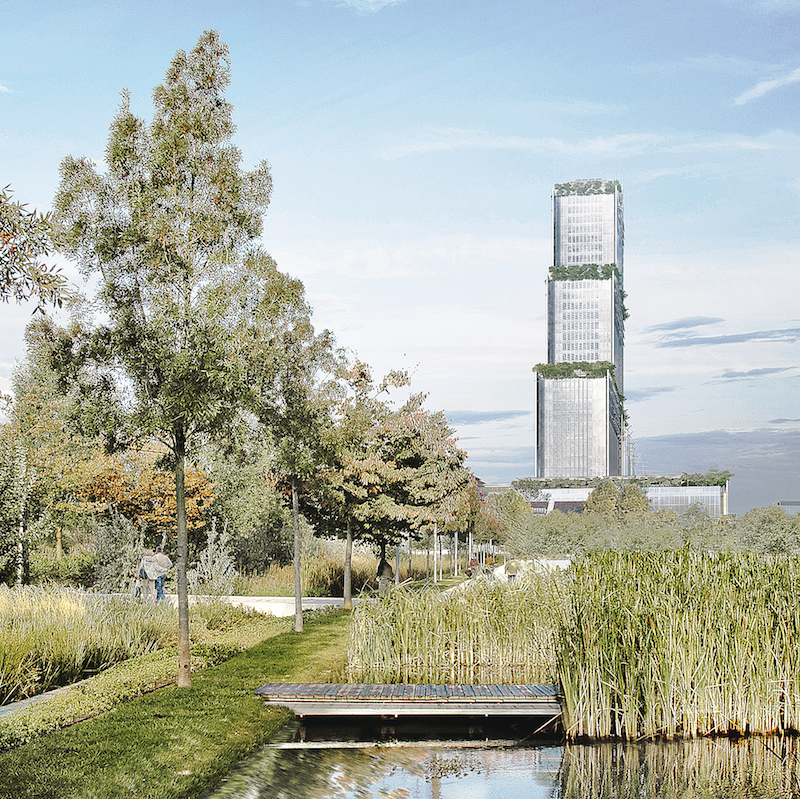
(702, 769)
(721, 768)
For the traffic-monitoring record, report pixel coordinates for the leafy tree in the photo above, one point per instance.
(632, 502)
(45, 456)
(603, 501)
(770, 530)
(167, 231)
(258, 522)
(422, 479)
(296, 386)
(356, 471)
(24, 239)
(511, 509)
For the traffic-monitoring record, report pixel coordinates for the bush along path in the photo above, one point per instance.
(175, 743)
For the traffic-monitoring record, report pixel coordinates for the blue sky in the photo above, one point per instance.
(414, 145)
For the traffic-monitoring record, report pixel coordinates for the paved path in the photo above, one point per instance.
(275, 605)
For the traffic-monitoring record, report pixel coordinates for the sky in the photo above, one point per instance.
(414, 145)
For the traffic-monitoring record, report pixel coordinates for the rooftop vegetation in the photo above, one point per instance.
(574, 369)
(713, 477)
(587, 187)
(584, 272)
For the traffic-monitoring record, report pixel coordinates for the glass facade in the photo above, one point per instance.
(713, 499)
(584, 320)
(588, 228)
(579, 426)
(679, 498)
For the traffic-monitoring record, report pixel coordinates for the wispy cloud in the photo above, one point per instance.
(574, 107)
(791, 334)
(641, 394)
(480, 417)
(443, 139)
(729, 374)
(783, 421)
(367, 6)
(436, 139)
(686, 322)
(4, 89)
(767, 86)
(712, 62)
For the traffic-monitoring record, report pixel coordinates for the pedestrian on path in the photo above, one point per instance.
(148, 571)
(163, 564)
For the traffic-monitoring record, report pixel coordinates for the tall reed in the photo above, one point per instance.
(483, 633)
(680, 644)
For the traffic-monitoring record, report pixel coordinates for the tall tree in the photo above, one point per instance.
(167, 230)
(296, 387)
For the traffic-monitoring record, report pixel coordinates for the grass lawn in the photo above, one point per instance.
(177, 742)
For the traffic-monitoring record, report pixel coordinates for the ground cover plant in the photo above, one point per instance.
(172, 743)
(53, 636)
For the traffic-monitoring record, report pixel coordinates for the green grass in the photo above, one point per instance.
(174, 742)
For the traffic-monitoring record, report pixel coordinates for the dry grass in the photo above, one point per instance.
(322, 572)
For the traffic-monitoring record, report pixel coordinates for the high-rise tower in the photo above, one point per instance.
(579, 412)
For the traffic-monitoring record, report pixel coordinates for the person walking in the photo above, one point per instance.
(163, 564)
(148, 571)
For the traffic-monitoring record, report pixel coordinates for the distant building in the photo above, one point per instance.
(662, 491)
(579, 425)
(791, 506)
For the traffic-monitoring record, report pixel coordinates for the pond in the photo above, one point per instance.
(722, 768)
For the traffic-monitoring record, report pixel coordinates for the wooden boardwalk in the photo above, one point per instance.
(321, 699)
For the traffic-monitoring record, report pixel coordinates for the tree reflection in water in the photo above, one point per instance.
(720, 768)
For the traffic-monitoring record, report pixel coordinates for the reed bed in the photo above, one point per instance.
(479, 634)
(682, 644)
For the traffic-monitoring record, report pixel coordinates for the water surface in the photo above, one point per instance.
(757, 768)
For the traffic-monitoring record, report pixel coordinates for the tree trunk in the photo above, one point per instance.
(21, 547)
(298, 594)
(182, 556)
(348, 563)
(435, 554)
(59, 543)
(397, 564)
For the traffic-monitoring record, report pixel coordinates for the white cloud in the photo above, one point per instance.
(767, 86)
(4, 89)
